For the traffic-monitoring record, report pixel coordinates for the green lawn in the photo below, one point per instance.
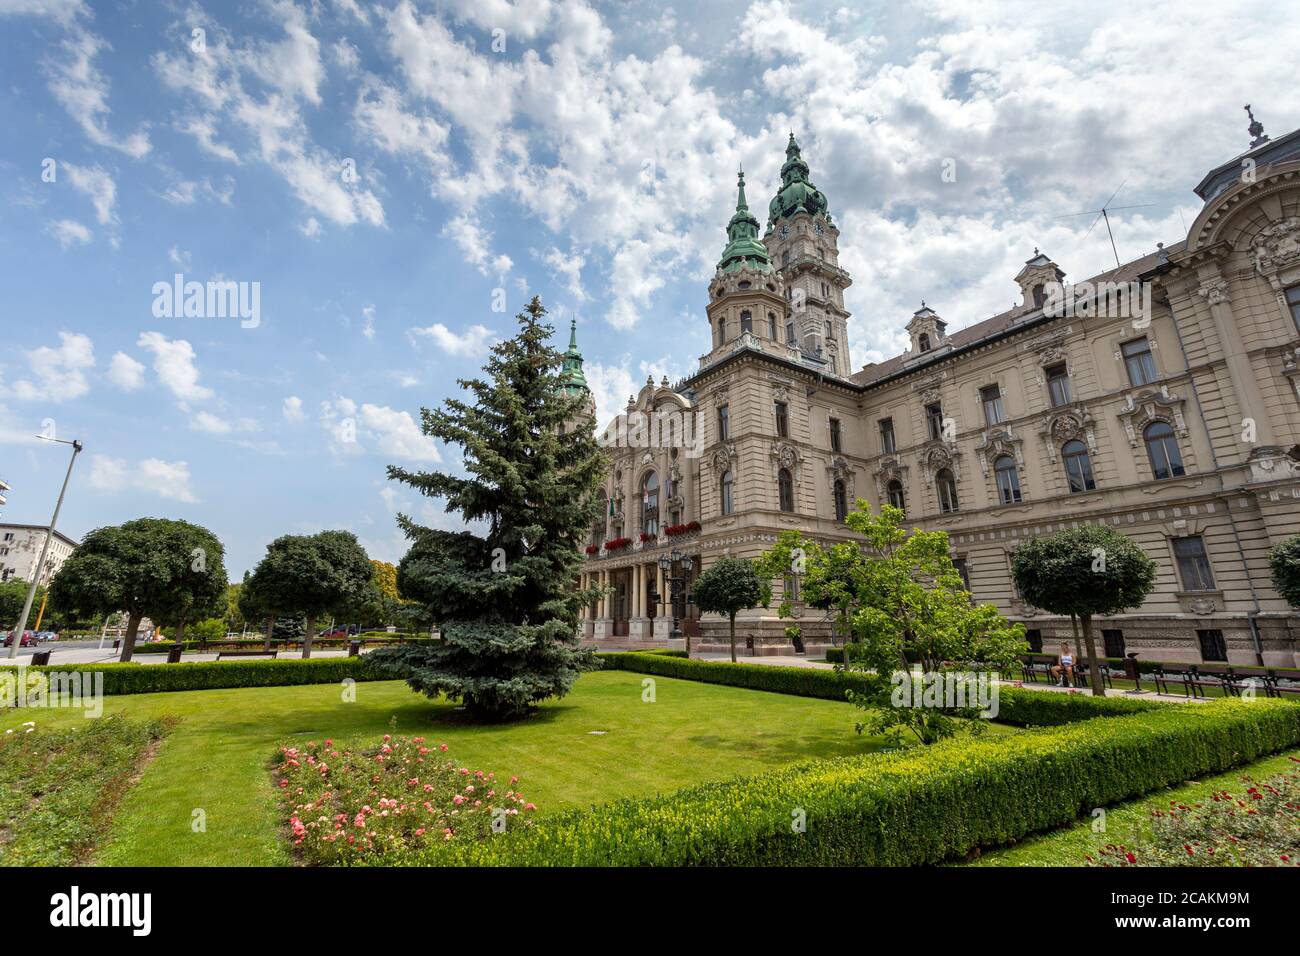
(1124, 823)
(216, 759)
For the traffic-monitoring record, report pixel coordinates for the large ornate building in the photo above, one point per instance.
(1162, 398)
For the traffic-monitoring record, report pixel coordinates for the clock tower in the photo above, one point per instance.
(803, 243)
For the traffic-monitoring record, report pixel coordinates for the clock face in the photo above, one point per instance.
(785, 232)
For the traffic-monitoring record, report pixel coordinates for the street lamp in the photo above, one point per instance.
(45, 550)
(677, 585)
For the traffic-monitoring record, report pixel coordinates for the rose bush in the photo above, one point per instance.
(376, 804)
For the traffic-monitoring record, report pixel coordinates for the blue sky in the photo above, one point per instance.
(382, 169)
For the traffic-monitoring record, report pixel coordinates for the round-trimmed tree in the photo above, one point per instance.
(1083, 572)
(1284, 562)
(729, 586)
(160, 568)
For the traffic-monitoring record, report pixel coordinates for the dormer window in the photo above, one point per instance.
(923, 342)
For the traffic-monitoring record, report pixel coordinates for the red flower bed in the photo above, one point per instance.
(673, 530)
(382, 802)
(615, 544)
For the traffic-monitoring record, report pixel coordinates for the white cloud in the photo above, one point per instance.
(166, 479)
(125, 372)
(82, 90)
(352, 426)
(293, 409)
(368, 322)
(570, 268)
(58, 374)
(98, 185)
(208, 422)
(474, 240)
(69, 232)
(179, 257)
(473, 341)
(173, 363)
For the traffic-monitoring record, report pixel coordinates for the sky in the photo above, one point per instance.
(388, 183)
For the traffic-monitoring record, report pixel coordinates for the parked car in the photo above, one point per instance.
(337, 632)
(28, 639)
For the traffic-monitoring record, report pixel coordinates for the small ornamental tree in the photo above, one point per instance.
(155, 567)
(501, 592)
(728, 587)
(1284, 561)
(900, 596)
(1083, 572)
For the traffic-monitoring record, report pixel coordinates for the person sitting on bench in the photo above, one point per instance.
(1066, 666)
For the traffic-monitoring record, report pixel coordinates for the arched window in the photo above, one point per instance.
(725, 493)
(771, 326)
(947, 488)
(924, 342)
(650, 503)
(841, 501)
(1162, 449)
(896, 496)
(1008, 479)
(746, 322)
(1078, 467)
(785, 489)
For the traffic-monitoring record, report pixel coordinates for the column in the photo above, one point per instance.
(1250, 401)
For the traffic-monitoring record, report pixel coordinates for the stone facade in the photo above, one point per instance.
(1162, 397)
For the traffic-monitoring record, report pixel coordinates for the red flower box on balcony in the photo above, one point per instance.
(593, 549)
(646, 536)
(616, 544)
(673, 530)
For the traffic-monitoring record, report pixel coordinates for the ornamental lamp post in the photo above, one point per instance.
(676, 584)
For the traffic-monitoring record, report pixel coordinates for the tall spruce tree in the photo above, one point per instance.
(503, 598)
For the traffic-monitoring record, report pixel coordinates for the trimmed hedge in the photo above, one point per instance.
(132, 678)
(915, 807)
(1017, 706)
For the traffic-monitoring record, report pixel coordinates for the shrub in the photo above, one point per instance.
(1017, 706)
(382, 802)
(1261, 827)
(212, 675)
(914, 807)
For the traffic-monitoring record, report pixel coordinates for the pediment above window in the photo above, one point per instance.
(1141, 410)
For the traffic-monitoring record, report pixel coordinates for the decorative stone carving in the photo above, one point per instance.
(839, 470)
(1291, 369)
(1214, 292)
(936, 456)
(1276, 247)
(1049, 346)
(994, 444)
(1140, 411)
(1202, 604)
(722, 458)
(1065, 425)
(889, 468)
(785, 455)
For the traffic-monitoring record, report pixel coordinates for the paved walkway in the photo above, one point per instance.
(85, 652)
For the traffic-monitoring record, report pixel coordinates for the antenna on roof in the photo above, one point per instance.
(1103, 213)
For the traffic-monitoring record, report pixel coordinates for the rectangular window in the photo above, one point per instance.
(782, 421)
(887, 444)
(724, 430)
(835, 435)
(1058, 385)
(1213, 647)
(1139, 362)
(963, 570)
(1035, 638)
(1293, 303)
(934, 421)
(791, 587)
(1193, 564)
(1114, 641)
(991, 398)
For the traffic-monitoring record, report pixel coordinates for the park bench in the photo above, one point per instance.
(1031, 665)
(1283, 685)
(1240, 678)
(1081, 674)
(1182, 673)
(222, 654)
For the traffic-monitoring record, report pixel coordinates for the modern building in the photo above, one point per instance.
(1161, 398)
(20, 549)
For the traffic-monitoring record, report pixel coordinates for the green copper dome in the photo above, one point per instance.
(744, 250)
(571, 375)
(796, 194)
